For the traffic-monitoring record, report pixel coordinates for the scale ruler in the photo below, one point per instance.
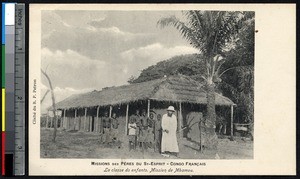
(19, 157)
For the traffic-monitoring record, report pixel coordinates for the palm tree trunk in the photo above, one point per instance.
(211, 137)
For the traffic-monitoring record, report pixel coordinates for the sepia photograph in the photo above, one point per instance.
(161, 89)
(147, 84)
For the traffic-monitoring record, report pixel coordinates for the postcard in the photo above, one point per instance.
(162, 89)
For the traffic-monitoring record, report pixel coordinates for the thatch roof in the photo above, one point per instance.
(174, 88)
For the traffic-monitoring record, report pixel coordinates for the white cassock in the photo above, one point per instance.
(169, 140)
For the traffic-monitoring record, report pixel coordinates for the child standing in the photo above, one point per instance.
(132, 133)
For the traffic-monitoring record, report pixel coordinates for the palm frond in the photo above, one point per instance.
(185, 31)
(249, 68)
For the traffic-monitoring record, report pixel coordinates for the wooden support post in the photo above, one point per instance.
(97, 118)
(148, 108)
(126, 119)
(101, 125)
(47, 119)
(64, 123)
(110, 110)
(87, 125)
(84, 121)
(75, 119)
(69, 122)
(79, 122)
(95, 124)
(63, 120)
(180, 120)
(231, 121)
(51, 122)
(90, 123)
(56, 123)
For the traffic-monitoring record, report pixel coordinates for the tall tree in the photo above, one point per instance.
(238, 79)
(213, 33)
(53, 104)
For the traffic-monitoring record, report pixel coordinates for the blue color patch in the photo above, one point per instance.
(3, 23)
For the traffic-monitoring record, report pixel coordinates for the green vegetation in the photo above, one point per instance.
(225, 62)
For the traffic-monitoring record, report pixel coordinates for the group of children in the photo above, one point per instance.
(144, 132)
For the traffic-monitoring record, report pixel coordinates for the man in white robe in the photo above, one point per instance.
(169, 126)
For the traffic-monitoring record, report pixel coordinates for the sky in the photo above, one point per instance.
(89, 50)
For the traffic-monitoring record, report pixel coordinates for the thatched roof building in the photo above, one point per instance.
(174, 88)
(83, 111)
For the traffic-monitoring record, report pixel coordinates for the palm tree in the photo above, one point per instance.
(213, 33)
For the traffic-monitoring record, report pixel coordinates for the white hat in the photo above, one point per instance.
(171, 108)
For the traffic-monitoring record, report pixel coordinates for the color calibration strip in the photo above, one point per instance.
(8, 59)
(13, 89)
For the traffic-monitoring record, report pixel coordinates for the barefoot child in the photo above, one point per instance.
(132, 133)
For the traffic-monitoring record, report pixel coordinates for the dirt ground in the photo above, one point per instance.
(87, 145)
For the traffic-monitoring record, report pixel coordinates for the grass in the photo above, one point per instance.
(72, 144)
